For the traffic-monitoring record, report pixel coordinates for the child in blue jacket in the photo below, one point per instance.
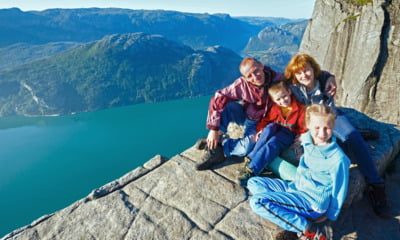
(319, 188)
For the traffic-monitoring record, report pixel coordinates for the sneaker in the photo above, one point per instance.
(211, 158)
(282, 234)
(244, 174)
(316, 231)
(201, 144)
(379, 201)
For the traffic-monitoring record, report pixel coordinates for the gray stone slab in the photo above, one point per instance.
(169, 199)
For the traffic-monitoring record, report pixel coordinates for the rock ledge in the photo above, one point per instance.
(168, 199)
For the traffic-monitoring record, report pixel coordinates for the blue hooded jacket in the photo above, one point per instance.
(323, 175)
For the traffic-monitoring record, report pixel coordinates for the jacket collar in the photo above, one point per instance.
(325, 151)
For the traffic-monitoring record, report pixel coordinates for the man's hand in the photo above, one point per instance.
(212, 139)
(331, 85)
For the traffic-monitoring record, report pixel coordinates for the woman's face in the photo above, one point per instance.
(306, 77)
(321, 129)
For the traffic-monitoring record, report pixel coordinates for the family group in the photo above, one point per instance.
(274, 110)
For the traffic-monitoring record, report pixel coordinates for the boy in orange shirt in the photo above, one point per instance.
(276, 131)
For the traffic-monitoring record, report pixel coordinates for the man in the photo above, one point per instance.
(251, 89)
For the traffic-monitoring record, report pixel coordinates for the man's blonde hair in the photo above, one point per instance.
(320, 110)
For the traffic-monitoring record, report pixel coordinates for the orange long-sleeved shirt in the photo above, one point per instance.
(295, 121)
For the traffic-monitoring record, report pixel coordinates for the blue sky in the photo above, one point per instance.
(262, 8)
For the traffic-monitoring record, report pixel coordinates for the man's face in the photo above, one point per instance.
(253, 73)
(282, 97)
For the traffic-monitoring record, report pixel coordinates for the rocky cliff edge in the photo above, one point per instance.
(168, 199)
(359, 42)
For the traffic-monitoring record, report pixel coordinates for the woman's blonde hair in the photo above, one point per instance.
(320, 110)
(298, 63)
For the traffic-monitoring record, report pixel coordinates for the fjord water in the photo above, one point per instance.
(47, 163)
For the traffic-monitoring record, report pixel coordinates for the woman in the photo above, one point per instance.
(307, 84)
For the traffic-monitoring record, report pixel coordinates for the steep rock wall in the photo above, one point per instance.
(360, 44)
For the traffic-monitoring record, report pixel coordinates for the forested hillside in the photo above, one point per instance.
(120, 69)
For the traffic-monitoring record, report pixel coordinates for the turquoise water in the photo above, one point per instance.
(47, 163)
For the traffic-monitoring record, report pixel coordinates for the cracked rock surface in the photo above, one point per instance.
(169, 199)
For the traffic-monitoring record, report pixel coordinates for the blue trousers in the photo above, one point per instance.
(234, 112)
(273, 140)
(352, 143)
(272, 200)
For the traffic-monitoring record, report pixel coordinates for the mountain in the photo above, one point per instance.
(39, 28)
(90, 24)
(274, 45)
(267, 21)
(118, 70)
(58, 61)
(21, 53)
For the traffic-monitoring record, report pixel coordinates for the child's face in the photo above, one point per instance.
(282, 97)
(321, 129)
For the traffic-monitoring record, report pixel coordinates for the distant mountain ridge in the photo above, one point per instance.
(61, 61)
(275, 45)
(34, 34)
(120, 69)
(90, 24)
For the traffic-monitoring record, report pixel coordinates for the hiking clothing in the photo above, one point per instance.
(224, 108)
(348, 136)
(273, 140)
(255, 99)
(294, 121)
(319, 188)
(277, 136)
(234, 113)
